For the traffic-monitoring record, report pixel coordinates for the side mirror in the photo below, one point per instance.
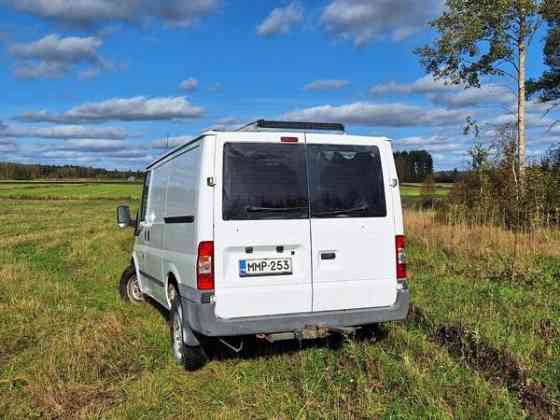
(123, 217)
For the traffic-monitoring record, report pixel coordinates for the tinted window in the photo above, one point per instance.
(145, 193)
(346, 181)
(264, 181)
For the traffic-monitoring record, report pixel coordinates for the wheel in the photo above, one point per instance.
(172, 293)
(129, 287)
(372, 332)
(190, 357)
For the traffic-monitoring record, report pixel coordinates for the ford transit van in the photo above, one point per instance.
(280, 230)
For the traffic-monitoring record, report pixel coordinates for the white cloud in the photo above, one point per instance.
(8, 146)
(381, 115)
(281, 20)
(532, 120)
(171, 142)
(93, 145)
(76, 151)
(422, 141)
(424, 85)
(55, 48)
(485, 95)
(190, 85)
(227, 123)
(53, 56)
(139, 108)
(535, 106)
(325, 85)
(435, 144)
(365, 20)
(91, 12)
(68, 156)
(41, 70)
(62, 132)
(449, 95)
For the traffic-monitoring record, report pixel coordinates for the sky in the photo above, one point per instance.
(112, 83)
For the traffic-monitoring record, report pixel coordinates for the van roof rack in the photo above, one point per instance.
(292, 125)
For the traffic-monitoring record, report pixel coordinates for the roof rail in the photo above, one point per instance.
(292, 125)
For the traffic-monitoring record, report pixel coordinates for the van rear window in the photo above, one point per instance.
(270, 181)
(346, 181)
(264, 181)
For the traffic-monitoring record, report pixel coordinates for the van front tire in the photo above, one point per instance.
(190, 357)
(129, 288)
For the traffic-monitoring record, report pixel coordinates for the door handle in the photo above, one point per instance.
(328, 255)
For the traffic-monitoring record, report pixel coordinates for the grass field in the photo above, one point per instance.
(415, 190)
(482, 341)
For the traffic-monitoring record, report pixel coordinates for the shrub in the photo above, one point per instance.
(496, 191)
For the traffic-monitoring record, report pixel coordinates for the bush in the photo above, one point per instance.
(495, 191)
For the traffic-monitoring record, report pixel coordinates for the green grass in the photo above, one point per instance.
(60, 191)
(415, 190)
(69, 348)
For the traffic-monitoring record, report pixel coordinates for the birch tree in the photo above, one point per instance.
(478, 39)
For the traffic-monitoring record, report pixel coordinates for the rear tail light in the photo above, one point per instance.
(205, 266)
(400, 245)
(289, 139)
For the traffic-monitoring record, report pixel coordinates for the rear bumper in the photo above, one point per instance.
(202, 318)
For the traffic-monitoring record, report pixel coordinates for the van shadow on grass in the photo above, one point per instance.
(253, 348)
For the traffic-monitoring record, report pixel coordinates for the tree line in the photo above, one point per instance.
(414, 165)
(19, 171)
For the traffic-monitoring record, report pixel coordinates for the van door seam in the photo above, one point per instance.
(307, 180)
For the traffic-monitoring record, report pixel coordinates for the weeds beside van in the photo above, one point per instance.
(279, 230)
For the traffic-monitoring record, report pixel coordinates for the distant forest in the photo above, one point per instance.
(414, 166)
(19, 171)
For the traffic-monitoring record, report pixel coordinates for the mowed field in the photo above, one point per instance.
(482, 340)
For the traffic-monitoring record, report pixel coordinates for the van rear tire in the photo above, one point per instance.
(190, 357)
(129, 288)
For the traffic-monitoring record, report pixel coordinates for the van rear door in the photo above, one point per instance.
(352, 229)
(262, 230)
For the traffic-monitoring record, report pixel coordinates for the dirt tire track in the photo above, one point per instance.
(497, 366)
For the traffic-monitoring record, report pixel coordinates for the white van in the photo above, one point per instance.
(278, 230)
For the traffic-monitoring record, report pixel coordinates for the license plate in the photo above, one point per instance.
(265, 267)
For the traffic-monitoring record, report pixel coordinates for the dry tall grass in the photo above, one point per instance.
(480, 241)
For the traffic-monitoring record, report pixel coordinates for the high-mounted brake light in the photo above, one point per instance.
(205, 266)
(400, 245)
(289, 139)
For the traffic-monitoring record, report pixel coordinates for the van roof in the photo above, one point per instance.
(263, 125)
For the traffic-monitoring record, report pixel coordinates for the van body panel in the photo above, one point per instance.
(398, 221)
(153, 233)
(204, 217)
(180, 253)
(248, 240)
(360, 269)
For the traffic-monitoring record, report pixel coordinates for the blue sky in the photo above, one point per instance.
(102, 82)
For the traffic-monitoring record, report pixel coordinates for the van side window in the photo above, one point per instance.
(145, 194)
(346, 181)
(264, 181)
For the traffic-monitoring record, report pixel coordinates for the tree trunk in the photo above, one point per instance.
(522, 47)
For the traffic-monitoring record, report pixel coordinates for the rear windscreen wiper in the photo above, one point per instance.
(254, 209)
(341, 211)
